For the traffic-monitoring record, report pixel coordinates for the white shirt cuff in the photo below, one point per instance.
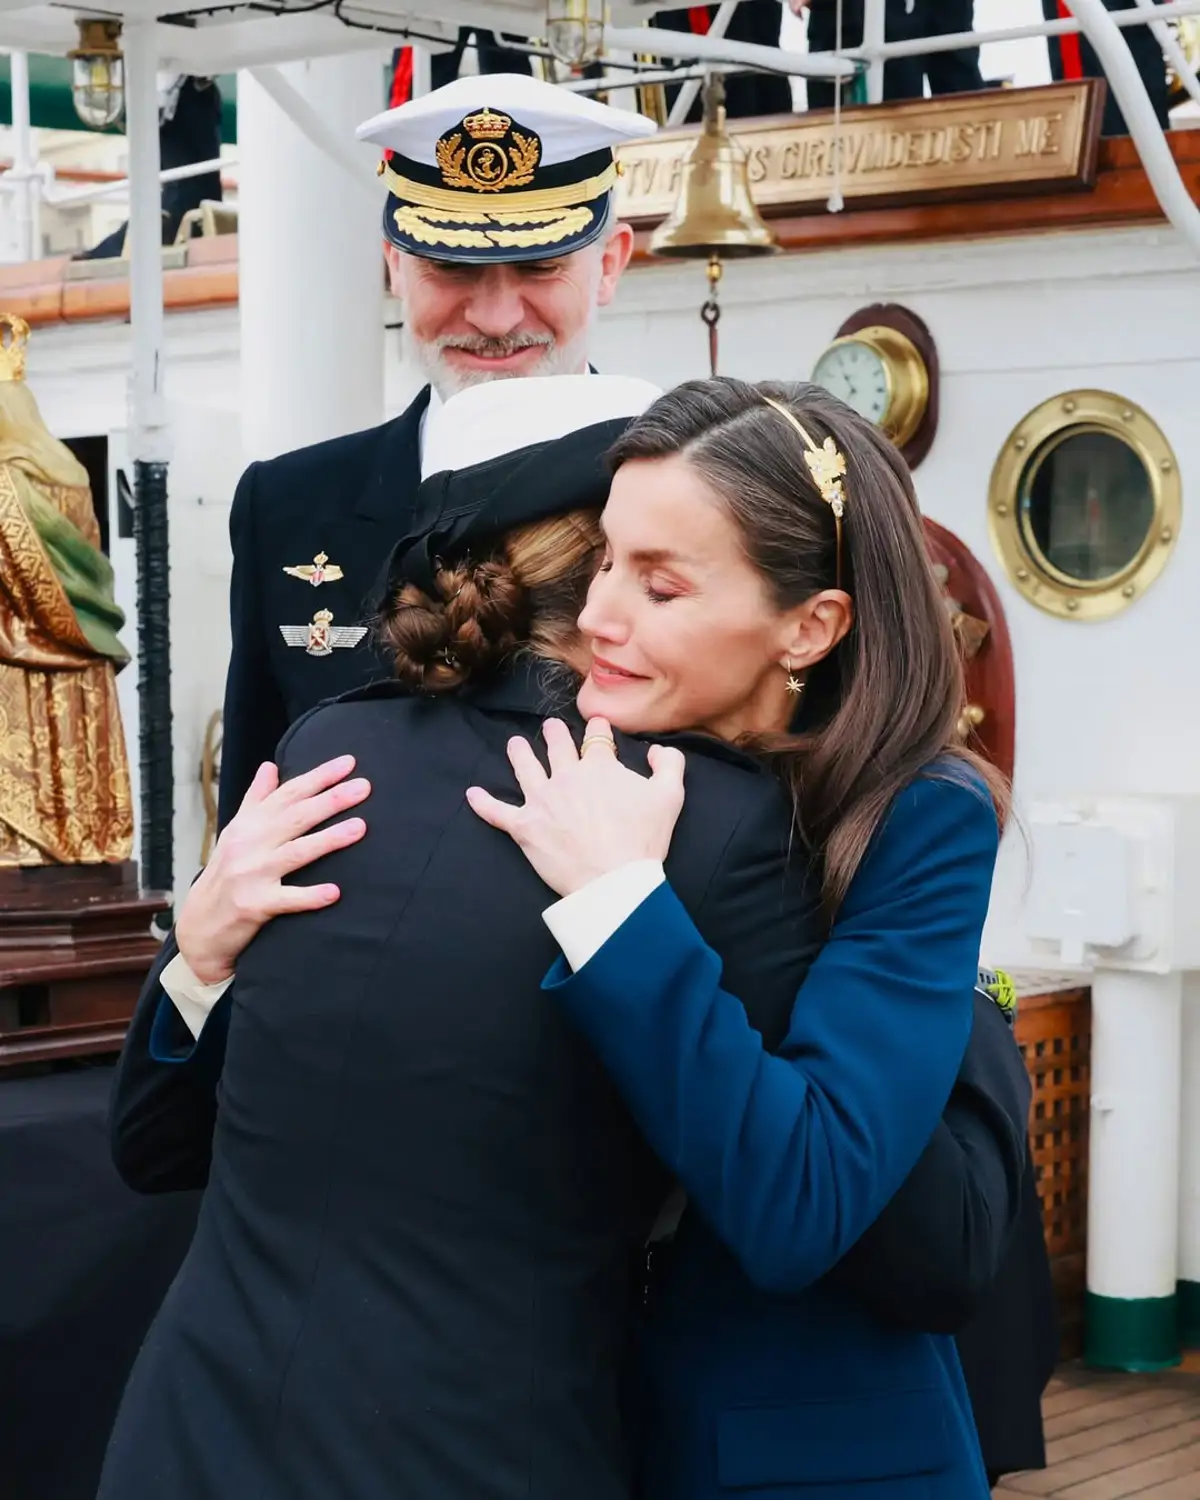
(191, 997)
(583, 922)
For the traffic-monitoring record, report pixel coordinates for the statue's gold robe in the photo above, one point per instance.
(64, 774)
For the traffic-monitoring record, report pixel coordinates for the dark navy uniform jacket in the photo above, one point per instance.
(418, 1248)
(351, 499)
(410, 1274)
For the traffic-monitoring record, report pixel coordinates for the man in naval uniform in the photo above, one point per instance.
(502, 243)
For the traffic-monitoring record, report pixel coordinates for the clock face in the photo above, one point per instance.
(857, 375)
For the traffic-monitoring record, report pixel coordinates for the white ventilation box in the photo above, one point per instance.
(1116, 882)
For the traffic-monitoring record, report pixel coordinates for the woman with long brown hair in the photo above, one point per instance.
(765, 581)
(412, 1272)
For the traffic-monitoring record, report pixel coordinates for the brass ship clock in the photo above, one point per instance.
(883, 363)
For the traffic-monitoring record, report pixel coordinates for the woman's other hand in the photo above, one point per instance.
(241, 888)
(589, 814)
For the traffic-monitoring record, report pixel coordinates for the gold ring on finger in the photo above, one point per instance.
(597, 739)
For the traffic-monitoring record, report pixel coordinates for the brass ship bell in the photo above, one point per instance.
(714, 218)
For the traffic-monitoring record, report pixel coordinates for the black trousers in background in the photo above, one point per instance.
(192, 134)
(1010, 1348)
(1147, 55)
(903, 77)
(746, 94)
(493, 56)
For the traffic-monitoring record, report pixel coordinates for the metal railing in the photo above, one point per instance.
(31, 183)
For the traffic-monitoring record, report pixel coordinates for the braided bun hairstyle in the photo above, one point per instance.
(525, 594)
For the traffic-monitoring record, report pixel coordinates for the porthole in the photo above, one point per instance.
(1084, 504)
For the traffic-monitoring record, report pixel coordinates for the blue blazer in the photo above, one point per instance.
(757, 1374)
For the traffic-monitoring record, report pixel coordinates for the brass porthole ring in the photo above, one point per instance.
(1085, 504)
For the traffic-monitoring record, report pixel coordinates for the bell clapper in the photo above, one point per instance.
(710, 313)
(715, 217)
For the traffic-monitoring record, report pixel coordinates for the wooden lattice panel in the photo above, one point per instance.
(1054, 1032)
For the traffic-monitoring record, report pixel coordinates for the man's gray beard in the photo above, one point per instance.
(447, 380)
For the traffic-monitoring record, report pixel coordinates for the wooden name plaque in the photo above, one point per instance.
(75, 947)
(997, 143)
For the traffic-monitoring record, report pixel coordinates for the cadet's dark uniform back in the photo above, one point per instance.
(415, 1257)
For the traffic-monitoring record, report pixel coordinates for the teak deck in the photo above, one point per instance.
(1112, 1437)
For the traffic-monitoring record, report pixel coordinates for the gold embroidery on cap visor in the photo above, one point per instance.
(518, 229)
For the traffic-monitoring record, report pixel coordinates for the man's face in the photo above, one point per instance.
(474, 323)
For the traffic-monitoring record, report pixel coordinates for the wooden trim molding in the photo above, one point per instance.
(1122, 197)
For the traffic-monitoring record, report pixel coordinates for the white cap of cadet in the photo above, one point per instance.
(500, 167)
(502, 416)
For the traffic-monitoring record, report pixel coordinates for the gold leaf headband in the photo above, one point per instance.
(827, 465)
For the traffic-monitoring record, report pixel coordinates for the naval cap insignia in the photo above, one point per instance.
(321, 637)
(317, 572)
(497, 156)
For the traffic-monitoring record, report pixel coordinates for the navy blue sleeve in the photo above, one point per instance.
(164, 1100)
(254, 716)
(933, 1255)
(790, 1157)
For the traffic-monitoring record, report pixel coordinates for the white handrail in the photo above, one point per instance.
(658, 42)
(1129, 89)
(121, 184)
(1173, 10)
(874, 22)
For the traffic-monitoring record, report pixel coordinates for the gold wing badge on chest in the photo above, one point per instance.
(317, 572)
(321, 637)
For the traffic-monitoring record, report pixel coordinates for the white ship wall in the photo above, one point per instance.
(1101, 708)
(1104, 708)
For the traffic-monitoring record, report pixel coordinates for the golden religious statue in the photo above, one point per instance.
(64, 776)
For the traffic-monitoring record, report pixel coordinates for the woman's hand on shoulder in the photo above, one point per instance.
(589, 814)
(270, 837)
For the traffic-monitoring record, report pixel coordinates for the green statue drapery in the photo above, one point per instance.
(64, 774)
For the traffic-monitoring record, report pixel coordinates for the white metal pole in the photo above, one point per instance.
(27, 235)
(306, 117)
(149, 449)
(310, 251)
(1133, 1177)
(420, 71)
(147, 407)
(874, 21)
(1188, 1290)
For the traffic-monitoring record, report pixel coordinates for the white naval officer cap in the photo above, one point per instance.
(501, 167)
(502, 416)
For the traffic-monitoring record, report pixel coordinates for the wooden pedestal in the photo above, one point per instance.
(75, 947)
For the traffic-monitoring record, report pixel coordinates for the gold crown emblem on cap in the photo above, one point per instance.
(14, 336)
(487, 125)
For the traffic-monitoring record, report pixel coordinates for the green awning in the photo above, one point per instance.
(50, 106)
